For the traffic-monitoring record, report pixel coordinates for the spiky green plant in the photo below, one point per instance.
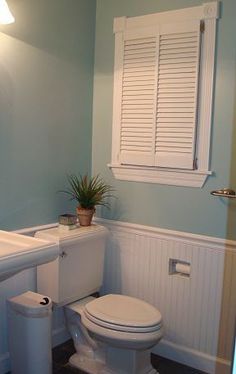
(88, 191)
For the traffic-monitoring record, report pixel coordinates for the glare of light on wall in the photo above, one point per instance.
(5, 13)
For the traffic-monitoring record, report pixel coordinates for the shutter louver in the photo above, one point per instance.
(137, 141)
(177, 91)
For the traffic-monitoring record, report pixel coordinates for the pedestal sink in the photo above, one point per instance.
(19, 252)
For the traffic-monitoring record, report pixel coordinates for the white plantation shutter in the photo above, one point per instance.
(177, 95)
(159, 91)
(163, 94)
(137, 137)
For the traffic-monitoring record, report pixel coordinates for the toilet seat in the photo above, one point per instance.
(123, 313)
(121, 327)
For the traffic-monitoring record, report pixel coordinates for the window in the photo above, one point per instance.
(163, 83)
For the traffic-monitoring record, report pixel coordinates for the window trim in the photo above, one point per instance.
(209, 12)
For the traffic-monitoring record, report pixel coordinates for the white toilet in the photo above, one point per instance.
(112, 334)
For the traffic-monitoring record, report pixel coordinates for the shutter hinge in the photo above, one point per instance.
(195, 164)
(202, 26)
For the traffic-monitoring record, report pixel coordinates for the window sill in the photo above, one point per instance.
(173, 177)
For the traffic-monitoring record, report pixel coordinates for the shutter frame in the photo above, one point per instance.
(209, 13)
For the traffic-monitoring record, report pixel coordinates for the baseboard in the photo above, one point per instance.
(198, 360)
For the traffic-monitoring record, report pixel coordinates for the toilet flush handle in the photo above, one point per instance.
(63, 254)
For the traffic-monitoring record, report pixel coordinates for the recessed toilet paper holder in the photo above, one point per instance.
(179, 267)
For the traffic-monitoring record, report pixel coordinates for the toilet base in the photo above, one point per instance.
(86, 364)
(118, 361)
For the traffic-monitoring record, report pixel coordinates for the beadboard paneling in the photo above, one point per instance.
(137, 264)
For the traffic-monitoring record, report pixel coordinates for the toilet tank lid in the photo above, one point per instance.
(58, 235)
(124, 310)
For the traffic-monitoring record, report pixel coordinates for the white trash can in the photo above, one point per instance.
(29, 324)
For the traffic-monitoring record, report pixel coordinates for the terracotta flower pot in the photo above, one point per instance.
(85, 216)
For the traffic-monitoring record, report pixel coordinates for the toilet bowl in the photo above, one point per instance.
(123, 321)
(112, 334)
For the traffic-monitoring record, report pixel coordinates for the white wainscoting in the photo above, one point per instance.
(22, 282)
(137, 264)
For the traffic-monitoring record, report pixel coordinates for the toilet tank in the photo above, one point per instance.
(78, 271)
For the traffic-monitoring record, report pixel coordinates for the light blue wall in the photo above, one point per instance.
(46, 75)
(178, 208)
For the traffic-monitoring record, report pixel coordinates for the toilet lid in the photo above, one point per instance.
(123, 313)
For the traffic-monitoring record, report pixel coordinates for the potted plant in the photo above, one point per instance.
(89, 192)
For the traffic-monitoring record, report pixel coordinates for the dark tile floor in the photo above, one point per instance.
(62, 353)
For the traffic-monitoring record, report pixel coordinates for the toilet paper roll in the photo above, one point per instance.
(182, 268)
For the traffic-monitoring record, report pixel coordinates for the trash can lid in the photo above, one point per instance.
(31, 304)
